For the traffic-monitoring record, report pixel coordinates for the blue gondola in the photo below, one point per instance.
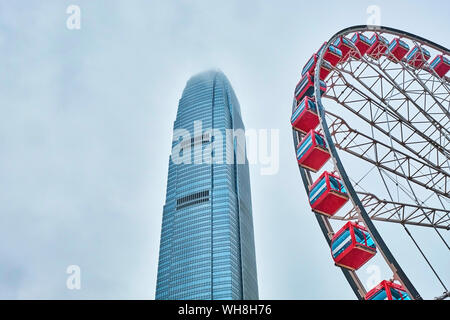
(344, 45)
(379, 46)
(440, 65)
(398, 48)
(305, 87)
(305, 118)
(333, 54)
(387, 290)
(362, 43)
(310, 67)
(352, 246)
(418, 56)
(312, 152)
(327, 195)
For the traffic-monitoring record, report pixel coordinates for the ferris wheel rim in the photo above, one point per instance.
(368, 27)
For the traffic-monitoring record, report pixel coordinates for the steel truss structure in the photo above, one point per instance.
(394, 120)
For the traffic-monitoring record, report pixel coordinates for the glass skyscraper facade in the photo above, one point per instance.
(207, 248)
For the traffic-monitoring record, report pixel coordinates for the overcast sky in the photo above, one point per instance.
(86, 120)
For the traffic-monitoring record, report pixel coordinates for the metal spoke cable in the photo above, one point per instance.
(416, 199)
(407, 230)
(381, 170)
(423, 255)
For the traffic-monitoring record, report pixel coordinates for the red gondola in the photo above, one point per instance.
(440, 65)
(310, 67)
(305, 87)
(325, 69)
(362, 43)
(379, 46)
(387, 290)
(418, 56)
(327, 195)
(398, 48)
(312, 152)
(343, 44)
(305, 118)
(333, 55)
(352, 246)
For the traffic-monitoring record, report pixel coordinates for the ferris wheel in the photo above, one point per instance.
(371, 131)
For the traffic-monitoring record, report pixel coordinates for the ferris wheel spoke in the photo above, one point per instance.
(410, 85)
(397, 212)
(404, 78)
(361, 145)
(406, 95)
(404, 139)
(388, 121)
(428, 128)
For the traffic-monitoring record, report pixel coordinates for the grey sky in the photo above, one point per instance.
(86, 122)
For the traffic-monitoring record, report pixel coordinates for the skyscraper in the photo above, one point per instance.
(207, 246)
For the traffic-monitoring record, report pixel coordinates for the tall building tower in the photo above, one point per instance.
(207, 248)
